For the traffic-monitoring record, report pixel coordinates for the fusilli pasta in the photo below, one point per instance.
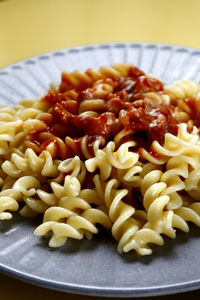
(109, 146)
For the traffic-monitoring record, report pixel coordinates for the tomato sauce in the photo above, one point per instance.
(121, 111)
(194, 106)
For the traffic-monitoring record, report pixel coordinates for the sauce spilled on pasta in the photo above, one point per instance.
(109, 109)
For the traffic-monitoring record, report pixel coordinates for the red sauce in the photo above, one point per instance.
(194, 105)
(134, 72)
(145, 121)
(149, 123)
(145, 84)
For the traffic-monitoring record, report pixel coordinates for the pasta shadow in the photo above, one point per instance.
(102, 238)
(18, 220)
(72, 246)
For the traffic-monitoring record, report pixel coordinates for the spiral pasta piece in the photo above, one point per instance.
(74, 227)
(184, 143)
(182, 89)
(125, 225)
(155, 200)
(42, 164)
(130, 177)
(8, 131)
(99, 161)
(74, 166)
(119, 212)
(107, 158)
(192, 184)
(7, 114)
(161, 199)
(158, 98)
(8, 203)
(83, 149)
(159, 190)
(77, 79)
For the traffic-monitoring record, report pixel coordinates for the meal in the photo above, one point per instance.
(110, 146)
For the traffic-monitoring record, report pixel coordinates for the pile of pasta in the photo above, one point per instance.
(109, 147)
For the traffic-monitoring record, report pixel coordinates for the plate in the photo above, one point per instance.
(94, 267)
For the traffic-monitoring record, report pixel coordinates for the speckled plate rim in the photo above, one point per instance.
(86, 47)
(86, 289)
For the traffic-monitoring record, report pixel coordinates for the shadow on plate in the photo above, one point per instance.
(72, 246)
(103, 239)
(18, 220)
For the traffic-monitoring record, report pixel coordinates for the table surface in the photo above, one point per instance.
(31, 27)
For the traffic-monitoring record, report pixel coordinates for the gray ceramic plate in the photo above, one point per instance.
(94, 267)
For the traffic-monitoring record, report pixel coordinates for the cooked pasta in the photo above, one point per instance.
(110, 146)
(182, 89)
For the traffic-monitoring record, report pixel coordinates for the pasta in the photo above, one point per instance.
(182, 89)
(110, 147)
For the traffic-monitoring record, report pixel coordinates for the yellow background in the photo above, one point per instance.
(30, 27)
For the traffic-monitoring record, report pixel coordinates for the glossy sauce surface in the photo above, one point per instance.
(126, 109)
